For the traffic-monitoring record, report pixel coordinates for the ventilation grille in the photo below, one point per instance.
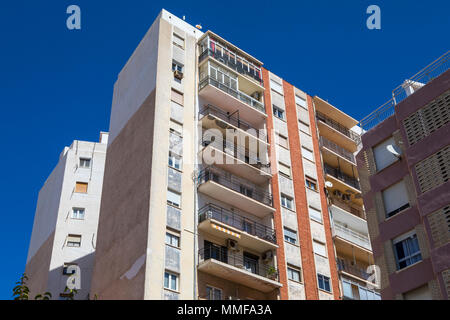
(428, 119)
(440, 226)
(434, 171)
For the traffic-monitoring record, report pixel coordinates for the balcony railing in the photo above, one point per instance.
(352, 236)
(233, 92)
(346, 266)
(337, 149)
(234, 121)
(234, 183)
(236, 151)
(342, 176)
(348, 208)
(232, 61)
(337, 126)
(420, 79)
(211, 211)
(238, 260)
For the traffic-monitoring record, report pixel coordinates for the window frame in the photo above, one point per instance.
(172, 236)
(288, 200)
(287, 237)
(292, 269)
(277, 111)
(412, 235)
(171, 275)
(83, 160)
(77, 216)
(325, 280)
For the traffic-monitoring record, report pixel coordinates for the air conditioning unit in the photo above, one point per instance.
(267, 256)
(232, 245)
(178, 74)
(337, 193)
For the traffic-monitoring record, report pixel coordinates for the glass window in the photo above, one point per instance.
(172, 240)
(347, 288)
(311, 183)
(176, 66)
(395, 199)
(293, 274)
(324, 282)
(407, 251)
(290, 235)
(73, 240)
(287, 202)
(383, 157)
(85, 163)
(174, 161)
(277, 112)
(213, 293)
(170, 281)
(78, 213)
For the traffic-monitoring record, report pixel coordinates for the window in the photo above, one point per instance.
(176, 97)
(85, 163)
(284, 169)
(311, 183)
(213, 293)
(319, 248)
(324, 282)
(174, 161)
(315, 214)
(407, 251)
(178, 41)
(172, 240)
(307, 154)
(170, 281)
(176, 66)
(173, 198)
(277, 112)
(383, 157)
(304, 127)
(300, 101)
(395, 199)
(290, 235)
(73, 240)
(293, 274)
(176, 127)
(287, 202)
(78, 213)
(283, 141)
(276, 86)
(246, 190)
(81, 187)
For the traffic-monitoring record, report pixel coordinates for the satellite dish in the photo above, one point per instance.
(394, 150)
(328, 184)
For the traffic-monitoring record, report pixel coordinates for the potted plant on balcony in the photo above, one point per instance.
(271, 273)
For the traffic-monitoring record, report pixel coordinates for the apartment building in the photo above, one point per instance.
(214, 182)
(404, 168)
(65, 223)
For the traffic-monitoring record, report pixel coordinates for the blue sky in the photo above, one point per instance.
(56, 85)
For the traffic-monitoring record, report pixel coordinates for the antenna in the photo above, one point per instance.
(394, 150)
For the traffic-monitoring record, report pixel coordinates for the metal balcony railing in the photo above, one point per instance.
(234, 121)
(233, 92)
(352, 236)
(234, 183)
(347, 266)
(233, 62)
(211, 211)
(420, 79)
(337, 149)
(337, 126)
(238, 152)
(238, 260)
(342, 176)
(347, 207)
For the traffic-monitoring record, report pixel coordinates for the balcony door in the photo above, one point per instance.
(251, 263)
(214, 251)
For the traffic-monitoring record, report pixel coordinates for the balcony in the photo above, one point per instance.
(235, 159)
(349, 235)
(231, 99)
(251, 234)
(348, 208)
(342, 177)
(345, 137)
(228, 120)
(338, 150)
(241, 193)
(348, 267)
(235, 267)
